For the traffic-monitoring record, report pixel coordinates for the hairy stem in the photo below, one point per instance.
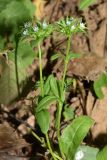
(49, 146)
(40, 70)
(65, 64)
(60, 105)
(42, 93)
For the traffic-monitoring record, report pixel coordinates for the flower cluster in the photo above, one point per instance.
(27, 25)
(40, 30)
(70, 26)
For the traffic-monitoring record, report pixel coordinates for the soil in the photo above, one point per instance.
(16, 141)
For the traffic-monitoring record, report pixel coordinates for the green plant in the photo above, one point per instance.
(53, 91)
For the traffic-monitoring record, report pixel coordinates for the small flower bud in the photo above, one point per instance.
(82, 26)
(68, 22)
(27, 24)
(44, 25)
(35, 29)
(25, 32)
(72, 27)
(71, 19)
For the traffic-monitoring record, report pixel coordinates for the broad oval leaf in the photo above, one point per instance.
(85, 3)
(43, 120)
(73, 134)
(45, 102)
(102, 155)
(54, 86)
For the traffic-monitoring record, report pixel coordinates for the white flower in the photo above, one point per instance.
(27, 24)
(72, 27)
(25, 32)
(79, 155)
(44, 25)
(71, 19)
(82, 25)
(68, 22)
(36, 28)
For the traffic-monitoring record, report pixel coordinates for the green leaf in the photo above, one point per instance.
(98, 84)
(45, 103)
(68, 112)
(43, 119)
(85, 3)
(55, 56)
(8, 81)
(26, 55)
(73, 135)
(14, 13)
(54, 86)
(3, 4)
(61, 94)
(73, 56)
(29, 6)
(89, 153)
(102, 155)
(47, 85)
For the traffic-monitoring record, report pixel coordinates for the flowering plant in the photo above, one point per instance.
(70, 26)
(39, 31)
(53, 90)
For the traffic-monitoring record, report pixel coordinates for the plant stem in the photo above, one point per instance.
(16, 65)
(36, 136)
(59, 117)
(48, 143)
(40, 70)
(49, 146)
(66, 63)
(42, 93)
(60, 104)
(57, 157)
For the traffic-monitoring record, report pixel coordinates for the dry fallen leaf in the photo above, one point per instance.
(9, 140)
(98, 111)
(87, 67)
